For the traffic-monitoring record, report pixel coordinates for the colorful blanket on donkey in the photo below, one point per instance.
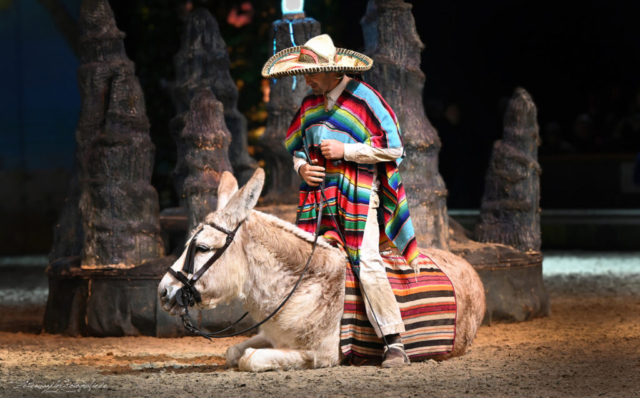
(427, 304)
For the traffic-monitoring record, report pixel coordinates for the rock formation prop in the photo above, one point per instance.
(203, 62)
(513, 283)
(68, 235)
(507, 254)
(286, 94)
(118, 205)
(392, 41)
(108, 286)
(205, 140)
(209, 131)
(510, 211)
(512, 276)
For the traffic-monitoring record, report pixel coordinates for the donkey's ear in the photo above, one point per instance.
(228, 186)
(241, 204)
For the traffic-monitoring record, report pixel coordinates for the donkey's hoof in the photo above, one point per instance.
(233, 355)
(244, 363)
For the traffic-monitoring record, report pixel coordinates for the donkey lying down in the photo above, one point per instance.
(261, 267)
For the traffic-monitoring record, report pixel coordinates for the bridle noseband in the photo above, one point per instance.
(188, 295)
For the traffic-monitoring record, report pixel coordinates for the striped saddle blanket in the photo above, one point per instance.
(427, 304)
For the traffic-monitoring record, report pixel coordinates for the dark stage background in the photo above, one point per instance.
(579, 61)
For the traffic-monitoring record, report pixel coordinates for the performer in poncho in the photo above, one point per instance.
(353, 139)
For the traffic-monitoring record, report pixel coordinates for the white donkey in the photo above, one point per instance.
(263, 263)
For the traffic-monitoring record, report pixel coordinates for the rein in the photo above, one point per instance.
(189, 295)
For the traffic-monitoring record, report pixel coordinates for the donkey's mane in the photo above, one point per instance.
(288, 227)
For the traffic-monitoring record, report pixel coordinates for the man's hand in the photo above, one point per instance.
(332, 149)
(313, 175)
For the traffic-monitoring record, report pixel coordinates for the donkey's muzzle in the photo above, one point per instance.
(184, 297)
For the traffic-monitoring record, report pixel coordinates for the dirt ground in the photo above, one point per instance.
(589, 347)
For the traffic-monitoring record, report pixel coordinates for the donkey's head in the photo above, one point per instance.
(225, 278)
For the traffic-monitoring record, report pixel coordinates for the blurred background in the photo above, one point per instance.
(579, 62)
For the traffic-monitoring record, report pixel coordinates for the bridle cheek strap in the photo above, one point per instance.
(189, 266)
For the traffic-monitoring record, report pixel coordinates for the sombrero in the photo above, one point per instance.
(315, 56)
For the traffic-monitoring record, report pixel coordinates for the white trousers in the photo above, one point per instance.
(373, 278)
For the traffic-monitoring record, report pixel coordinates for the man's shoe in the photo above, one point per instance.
(395, 357)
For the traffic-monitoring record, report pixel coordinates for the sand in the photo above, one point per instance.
(588, 347)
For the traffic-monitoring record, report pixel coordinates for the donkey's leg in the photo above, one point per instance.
(235, 352)
(265, 359)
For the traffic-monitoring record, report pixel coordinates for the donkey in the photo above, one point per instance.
(261, 267)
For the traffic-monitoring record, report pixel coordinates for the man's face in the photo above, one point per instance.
(319, 82)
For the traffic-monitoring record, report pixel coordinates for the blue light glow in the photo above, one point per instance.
(292, 6)
(295, 80)
(274, 50)
(291, 33)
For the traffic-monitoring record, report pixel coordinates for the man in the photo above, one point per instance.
(353, 140)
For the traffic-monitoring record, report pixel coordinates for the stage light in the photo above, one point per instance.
(292, 6)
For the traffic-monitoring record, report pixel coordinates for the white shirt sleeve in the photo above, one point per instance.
(297, 163)
(363, 153)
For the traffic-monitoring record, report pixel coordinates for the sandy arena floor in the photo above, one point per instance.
(589, 347)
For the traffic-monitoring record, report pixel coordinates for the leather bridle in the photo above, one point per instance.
(188, 295)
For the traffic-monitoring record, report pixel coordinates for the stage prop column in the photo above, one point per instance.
(203, 62)
(510, 219)
(202, 134)
(510, 212)
(286, 94)
(205, 139)
(200, 129)
(392, 41)
(118, 206)
(108, 286)
(512, 276)
(507, 255)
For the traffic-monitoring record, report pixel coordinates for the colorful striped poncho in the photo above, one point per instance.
(360, 115)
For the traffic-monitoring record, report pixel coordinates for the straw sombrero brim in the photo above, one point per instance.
(285, 63)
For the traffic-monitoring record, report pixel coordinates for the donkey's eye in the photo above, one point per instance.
(202, 248)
